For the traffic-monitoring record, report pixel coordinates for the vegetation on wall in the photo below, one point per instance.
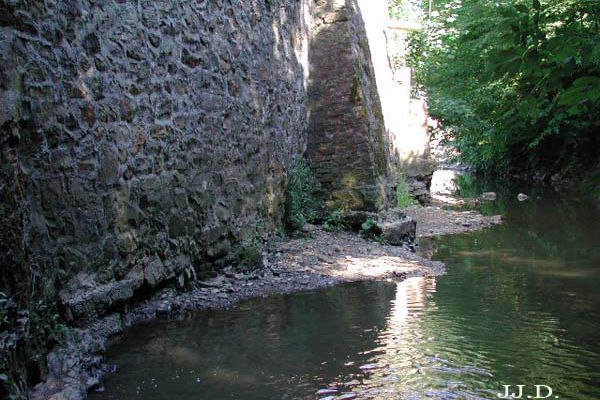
(301, 204)
(249, 253)
(514, 83)
(403, 196)
(334, 221)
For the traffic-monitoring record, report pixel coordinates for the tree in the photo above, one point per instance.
(516, 84)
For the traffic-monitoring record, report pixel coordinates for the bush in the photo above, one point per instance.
(301, 203)
(249, 253)
(369, 228)
(335, 221)
(515, 84)
(403, 197)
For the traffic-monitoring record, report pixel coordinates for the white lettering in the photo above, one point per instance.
(538, 394)
(508, 395)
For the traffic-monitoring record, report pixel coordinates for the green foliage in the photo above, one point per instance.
(301, 202)
(371, 230)
(405, 10)
(468, 186)
(592, 185)
(369, 227)
(335, 221)
(249, 253)
(280, 231)
(403, 197)
(380, 239)
(516, 84)
(46, 325)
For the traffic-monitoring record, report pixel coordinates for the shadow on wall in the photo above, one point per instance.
(139, 141)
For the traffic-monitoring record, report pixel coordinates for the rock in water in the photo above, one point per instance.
(522, 197)
(496, 219)
(488, 196)
(163, 309)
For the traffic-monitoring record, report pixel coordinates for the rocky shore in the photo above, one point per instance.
(436, 221)
(313, 259)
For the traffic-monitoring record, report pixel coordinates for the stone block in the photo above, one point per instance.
(399, 232)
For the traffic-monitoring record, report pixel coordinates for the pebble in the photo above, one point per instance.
(322, 392)
(488, 196)
(369, 367)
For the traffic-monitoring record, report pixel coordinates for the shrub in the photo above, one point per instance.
(403, 197)
(335, 221)
(301, 203)
(515, 84)
(249, 253)
(369, 227)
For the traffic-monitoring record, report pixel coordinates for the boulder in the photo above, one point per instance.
(488, 196)
(308, 228)
(399, 232)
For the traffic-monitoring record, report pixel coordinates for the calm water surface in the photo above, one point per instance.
(519, 305)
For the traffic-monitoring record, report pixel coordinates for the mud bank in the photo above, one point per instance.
(437, 221)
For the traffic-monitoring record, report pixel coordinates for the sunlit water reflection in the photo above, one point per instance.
(519, 305)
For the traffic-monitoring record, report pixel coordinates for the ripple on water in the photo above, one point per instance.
(510, 310)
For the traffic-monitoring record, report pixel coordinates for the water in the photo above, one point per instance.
(519, 305)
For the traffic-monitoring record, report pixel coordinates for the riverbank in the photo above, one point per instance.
(436, 221)
(315, 259)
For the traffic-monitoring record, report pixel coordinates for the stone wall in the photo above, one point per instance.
(346, 145)
(364, 133)
(144, 139)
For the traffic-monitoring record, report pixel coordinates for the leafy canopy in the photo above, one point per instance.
(516, 84)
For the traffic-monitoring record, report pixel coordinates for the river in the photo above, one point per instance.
(519, 305)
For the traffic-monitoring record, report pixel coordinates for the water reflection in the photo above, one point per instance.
(410, 366)
(519, 305)
(282, 347)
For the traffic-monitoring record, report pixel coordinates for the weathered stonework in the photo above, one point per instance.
(346, 145)
(142, 141)
(366, 134)
(149, 137)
